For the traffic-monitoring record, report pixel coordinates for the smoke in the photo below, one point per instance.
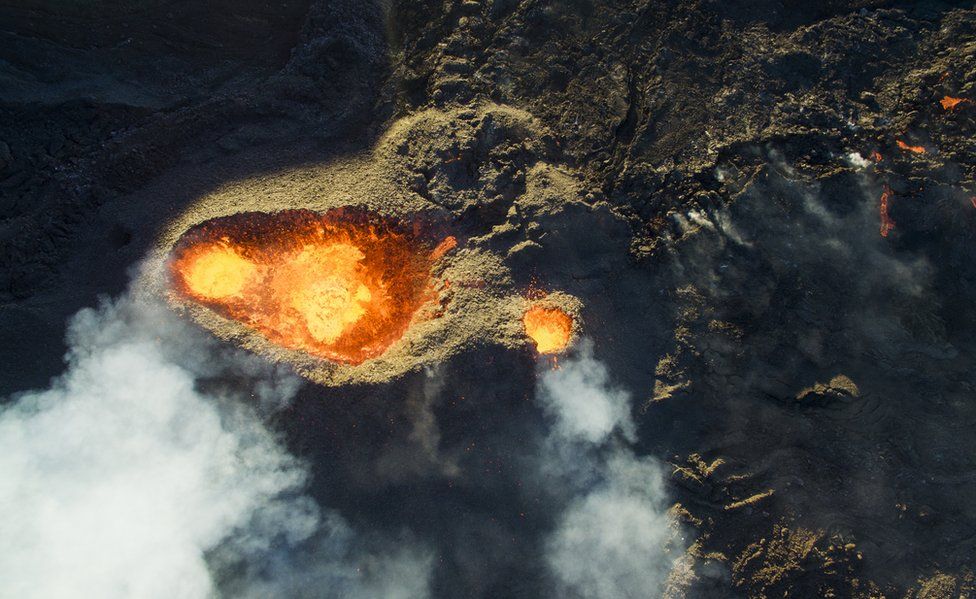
(614, 537)
(582, 402)
(614, 540)
(336, 562)
(146, 470)
(792, 246)
(419, 455)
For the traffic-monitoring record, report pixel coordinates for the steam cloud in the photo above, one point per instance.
(146, 471)
(583, 403)
(614, 538)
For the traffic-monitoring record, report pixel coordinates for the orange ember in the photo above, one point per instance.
(913, 149)
(950, 103)
(549, 328)
(343, 285)
(876, 156)
(886, 223)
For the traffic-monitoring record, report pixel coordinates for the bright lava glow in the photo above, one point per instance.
(218, 272)
(549, 328)
(343, 285)
(324, 288)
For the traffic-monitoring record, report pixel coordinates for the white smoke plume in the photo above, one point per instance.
(148, 457)
(584, 405)
(614, 538)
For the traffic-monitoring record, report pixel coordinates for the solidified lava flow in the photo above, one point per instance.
(342, 285)
(549, 328)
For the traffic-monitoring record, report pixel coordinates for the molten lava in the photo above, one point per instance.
(549, 328)
(950, 103)
(886, 223)
(218, 272)
(912, 149)
(343, 285)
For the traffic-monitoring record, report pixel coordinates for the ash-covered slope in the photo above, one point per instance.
(710, 180)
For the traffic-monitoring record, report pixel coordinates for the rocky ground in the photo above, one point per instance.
(710, 181)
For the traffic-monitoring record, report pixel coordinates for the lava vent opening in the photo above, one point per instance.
(343, 285)
(549, 328)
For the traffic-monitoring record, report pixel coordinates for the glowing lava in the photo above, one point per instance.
(950, 103)
(218, 272)
(912, 149)
(321, 284)
(343, 285)
(549, 328)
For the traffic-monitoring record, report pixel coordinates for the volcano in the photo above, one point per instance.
(498, 298)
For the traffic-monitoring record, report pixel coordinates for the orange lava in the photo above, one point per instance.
(886, 223)
(549, 328)
(443, 247)
(343, 285)
(218, 272)
(912, 149)
(876, 156)
(950, 103)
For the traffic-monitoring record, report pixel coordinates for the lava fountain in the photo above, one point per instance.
(549, 328)
(342, 285)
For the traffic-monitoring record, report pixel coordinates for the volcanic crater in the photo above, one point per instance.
(348, 273)
(342, 285)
